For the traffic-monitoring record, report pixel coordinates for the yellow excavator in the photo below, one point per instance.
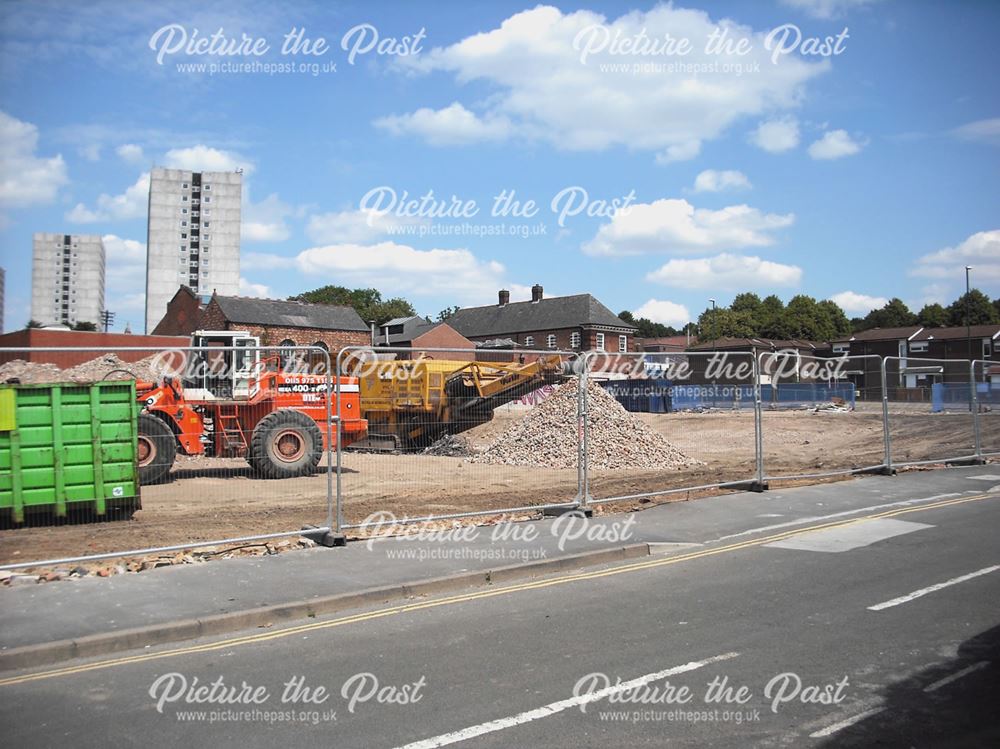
(410, 403)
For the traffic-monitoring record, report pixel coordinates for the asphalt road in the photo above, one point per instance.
(880, 628)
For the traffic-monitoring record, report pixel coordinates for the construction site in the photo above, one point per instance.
(246, 450)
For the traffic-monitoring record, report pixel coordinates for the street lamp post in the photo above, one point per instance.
(968, 329)
(713, 318)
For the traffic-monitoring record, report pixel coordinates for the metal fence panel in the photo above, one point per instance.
(230, 443)
(815, 421)
(455, 433)
(930, 410)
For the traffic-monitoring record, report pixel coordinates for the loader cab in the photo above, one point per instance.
(225, 367)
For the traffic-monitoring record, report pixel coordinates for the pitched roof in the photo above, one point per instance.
(881, 334)
(670, 340)
(411, 328)
(546, 314)
(288, 314)
(947, 334)
(766, 343)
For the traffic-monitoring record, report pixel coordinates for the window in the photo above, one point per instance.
(207, 187)
(183, 247)
(205, 237)
(529, 341)
(206, 224)
(841, 348)
(208, 199)
(184, 198)
(185, 185)
(918, 347)
(574, 340)
(987, 348)
(622, 344)
(184, 223)
(599, 342)
(184, 235)
(550, 340)
(184, 210)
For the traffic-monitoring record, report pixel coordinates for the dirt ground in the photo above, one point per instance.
(217, 498)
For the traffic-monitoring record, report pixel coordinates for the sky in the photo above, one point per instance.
(654, 155)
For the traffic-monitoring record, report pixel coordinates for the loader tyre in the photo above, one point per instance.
(156, 450)
(285, 444)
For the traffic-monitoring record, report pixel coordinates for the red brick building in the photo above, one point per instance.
(183, 314)
(282, 323)
(571, 323)
(417, 333)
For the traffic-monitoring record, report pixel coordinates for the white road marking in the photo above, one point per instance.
(985, 477)
(845, 513)
(955, 676)
(845, 723)
(557, 707)
(931, 589)
(847, 537)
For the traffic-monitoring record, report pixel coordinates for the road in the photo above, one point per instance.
(881, 627)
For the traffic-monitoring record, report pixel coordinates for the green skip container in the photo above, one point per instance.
(68, 449)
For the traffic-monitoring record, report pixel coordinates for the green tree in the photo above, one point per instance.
(749, 304)
(806, 320)
(368, 302)
(33, 324)
(771, 318)
(981, 310)
(933, 316)
(722, 322)
(838, 320)
(895, 314)
(83, 325)
(447, 312)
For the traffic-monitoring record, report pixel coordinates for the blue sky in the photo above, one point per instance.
(857, 176)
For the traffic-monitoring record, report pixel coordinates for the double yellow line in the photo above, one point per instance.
(474, 596)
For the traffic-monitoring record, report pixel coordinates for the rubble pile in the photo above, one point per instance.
(450, 446)
(107, 366)
(547, 436)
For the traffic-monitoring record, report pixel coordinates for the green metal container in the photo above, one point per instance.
(68, 447)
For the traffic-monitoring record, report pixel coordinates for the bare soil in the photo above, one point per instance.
(217, 498)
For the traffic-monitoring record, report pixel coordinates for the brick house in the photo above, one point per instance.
(416, 332)
(275, 322)
(183, 314)
(572, 323)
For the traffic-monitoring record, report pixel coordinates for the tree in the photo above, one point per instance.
(83, 325)
(367, 302)
(749, 304)
(646, 328)
(33, 324)
(838, 320)
(981, 310)
(933, 316)
(895, 314)
(723, 323)
(806, 320)
(627, 317)
(447, 312)
(771, 318)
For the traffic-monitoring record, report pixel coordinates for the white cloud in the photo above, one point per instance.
(981, 251)
(265, 221)
(400, 269)
(130, 204)
(125, 278)
(679, 152)
(130, 153)
(712, 180)
(858, 304)
(91, 152)
(254, 289)
(356, 226)
(776, 136)
(453, 125)
(201, 158)
(835, 144)
(664, 312)
(826, 8)
(725, 272)
(26, 179)
(539, 87)
(672, 225)
(986, 131)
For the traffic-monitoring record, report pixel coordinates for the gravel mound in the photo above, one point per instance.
(450, 446)
(103, 367)
(547, 436)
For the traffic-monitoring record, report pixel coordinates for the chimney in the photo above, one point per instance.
(536, 293)
(504, 297)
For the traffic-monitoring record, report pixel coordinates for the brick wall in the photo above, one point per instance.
(98, 342)
(444, 336)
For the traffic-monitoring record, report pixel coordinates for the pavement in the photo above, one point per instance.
(869, 606)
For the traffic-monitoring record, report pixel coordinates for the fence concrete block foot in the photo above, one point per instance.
(966, 462)
(322, 537)
(552, 512)
(748, 486)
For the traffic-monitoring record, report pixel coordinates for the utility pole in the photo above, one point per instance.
(107, 317)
